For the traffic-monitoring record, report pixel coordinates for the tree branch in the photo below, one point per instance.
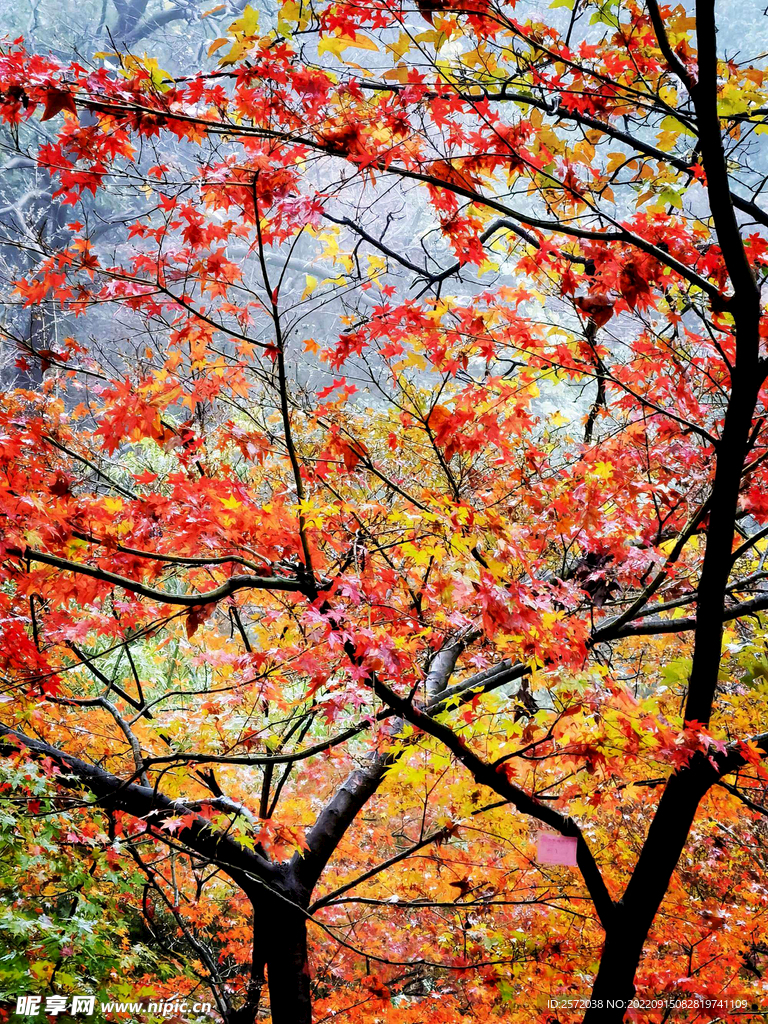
(673, 61)
(499, 782)
(233, 584)
(145, 802)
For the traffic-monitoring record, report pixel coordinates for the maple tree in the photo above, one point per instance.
(421, 508)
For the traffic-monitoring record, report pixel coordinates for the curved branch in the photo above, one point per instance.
(233, 584)
(143, 802)
(653, 627)
(673, 61)
(498, 781)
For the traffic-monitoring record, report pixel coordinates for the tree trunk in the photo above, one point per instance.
(288, 968)
(646, 889)
(615, 982)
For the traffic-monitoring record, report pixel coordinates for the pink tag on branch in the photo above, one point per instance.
(554, 849)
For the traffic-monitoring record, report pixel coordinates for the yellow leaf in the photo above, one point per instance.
(237, 51)
(414, 359)
(401, 47)
(337, 44)
(672, 124)
(311, 284)
(603, 470)
(248, 25)
(292, 15)
(398, 74)
(135, 66)
(431, 36)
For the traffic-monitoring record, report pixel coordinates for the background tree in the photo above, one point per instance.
(453, 524)
(177, 35)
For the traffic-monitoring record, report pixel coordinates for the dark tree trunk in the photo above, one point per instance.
(288, 969)
(615, 982)
(684, 789)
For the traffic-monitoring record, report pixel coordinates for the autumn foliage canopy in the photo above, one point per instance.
(413, 506)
